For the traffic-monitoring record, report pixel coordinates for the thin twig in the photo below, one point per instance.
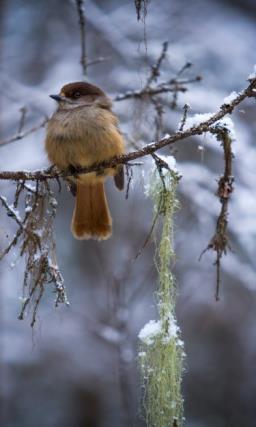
(185, 67)
(11, 211)
(143, 93)
(219, 242)
(82, 25)
(155, 69)
(129, 175)
(158, 105)
(184, 118)
(20, 135)
(173, 85)
(23, 111)
(12, 243)
(150, 233)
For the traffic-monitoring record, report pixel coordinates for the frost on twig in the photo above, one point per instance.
(35, 240)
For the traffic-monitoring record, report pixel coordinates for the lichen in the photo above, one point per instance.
(161, 351)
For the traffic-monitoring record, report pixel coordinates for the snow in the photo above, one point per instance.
(166, 136)
(253, 74)
(15, 212)
(230, 98)
(228, 123)
(154, 328)
(198, 119)
(170, 160)
(151, 169)
(23, 300)
(150, 331)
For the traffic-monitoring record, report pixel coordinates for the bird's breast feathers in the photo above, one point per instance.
(83, 136)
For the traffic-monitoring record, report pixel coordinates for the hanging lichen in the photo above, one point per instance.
(161, 349)
(141, 6)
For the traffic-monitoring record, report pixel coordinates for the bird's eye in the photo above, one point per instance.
(76, 94)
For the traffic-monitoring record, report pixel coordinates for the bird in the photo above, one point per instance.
(84, 131)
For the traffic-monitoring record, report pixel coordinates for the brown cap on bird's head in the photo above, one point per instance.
(83, 88)
(76, 90)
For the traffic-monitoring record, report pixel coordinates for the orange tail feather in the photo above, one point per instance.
(91, 216)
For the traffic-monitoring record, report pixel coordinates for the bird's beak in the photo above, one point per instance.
(57, 98)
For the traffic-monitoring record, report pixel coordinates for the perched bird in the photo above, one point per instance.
(84, 131)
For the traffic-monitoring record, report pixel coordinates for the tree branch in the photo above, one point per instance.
(205, 126)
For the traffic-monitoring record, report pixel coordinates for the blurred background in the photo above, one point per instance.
(78, 367)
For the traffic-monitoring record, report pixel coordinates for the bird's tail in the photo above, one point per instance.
(91, 217)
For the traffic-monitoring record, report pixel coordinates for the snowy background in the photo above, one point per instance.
(78, 367)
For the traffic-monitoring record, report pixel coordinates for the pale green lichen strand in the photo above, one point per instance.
(161, 349)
